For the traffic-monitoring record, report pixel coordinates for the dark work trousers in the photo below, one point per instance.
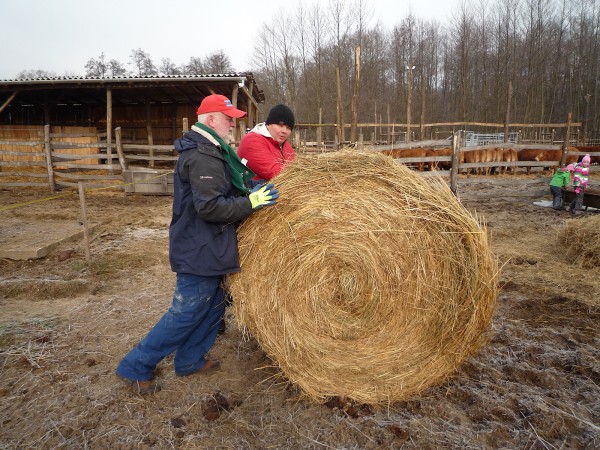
(557, 197)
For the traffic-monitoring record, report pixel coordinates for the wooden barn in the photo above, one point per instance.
(147, 109)
(57, 132)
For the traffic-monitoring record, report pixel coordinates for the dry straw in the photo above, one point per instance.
(581, 239)
(366, 280)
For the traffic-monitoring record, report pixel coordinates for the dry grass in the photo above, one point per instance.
(581, 239)
(536, 384)
(365, 281)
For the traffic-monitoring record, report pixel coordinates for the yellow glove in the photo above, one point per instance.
(264, 195)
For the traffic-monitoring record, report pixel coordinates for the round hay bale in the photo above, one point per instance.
(581, 239)
(366, 280)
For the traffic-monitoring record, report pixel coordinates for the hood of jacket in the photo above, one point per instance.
(191, 139)
(261, 128)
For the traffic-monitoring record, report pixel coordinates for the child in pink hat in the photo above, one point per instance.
(581, 173)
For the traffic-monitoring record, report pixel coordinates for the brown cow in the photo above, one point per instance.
(472, 157)
(491, 155)
(443, 165)
(544, 155)
(556, 155)
(408, 153)
(509, 155)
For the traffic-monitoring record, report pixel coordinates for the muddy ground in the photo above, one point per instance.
(65, 325)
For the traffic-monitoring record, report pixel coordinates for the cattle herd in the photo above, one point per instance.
(422, 158)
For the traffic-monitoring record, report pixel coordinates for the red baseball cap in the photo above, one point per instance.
(219, 103)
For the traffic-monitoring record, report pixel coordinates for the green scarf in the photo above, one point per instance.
(240, 174)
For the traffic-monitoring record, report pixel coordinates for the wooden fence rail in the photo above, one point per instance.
(56, 161)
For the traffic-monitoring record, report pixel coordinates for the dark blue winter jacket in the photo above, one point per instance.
(206, 210)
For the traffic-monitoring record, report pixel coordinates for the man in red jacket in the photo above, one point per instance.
(266, 149)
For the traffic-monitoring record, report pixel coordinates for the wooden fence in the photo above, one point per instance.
(58, 157)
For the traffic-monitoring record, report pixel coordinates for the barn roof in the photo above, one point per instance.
(126, 90)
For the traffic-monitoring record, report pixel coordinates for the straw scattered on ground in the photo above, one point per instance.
(581, 239)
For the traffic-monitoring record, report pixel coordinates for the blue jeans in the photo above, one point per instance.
(189, 328)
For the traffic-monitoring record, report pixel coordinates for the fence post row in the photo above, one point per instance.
(56, 160)
(120, 153)
(48, 149)
(456, 137)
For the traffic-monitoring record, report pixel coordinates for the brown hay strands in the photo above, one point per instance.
(365, 281)
(581, 239)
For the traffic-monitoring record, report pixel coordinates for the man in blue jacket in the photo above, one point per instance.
(211, 196)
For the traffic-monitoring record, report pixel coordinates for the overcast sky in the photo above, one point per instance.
(62, 35)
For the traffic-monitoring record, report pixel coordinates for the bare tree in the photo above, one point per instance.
(195, 66)
(279, 65)
(168, 67)
(32, 74)
(218, 62)
(317, 42)
(97, 67)
(143, 63)
(116, 69)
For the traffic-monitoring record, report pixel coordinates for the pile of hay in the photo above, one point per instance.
(366, 280)
(581, 239)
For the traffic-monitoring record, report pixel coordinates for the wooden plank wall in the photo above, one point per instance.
(76, 141)
(166, 121)
(22, 134)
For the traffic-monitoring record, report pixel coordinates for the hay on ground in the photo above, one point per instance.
(581, 239)
(366, 280)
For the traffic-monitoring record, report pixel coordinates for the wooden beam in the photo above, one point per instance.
(339, 112)
(7, 102)
(150, 138)
(109, 127)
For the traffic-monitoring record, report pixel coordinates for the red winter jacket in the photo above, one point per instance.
(263, 154)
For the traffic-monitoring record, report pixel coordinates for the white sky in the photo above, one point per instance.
(62, 35)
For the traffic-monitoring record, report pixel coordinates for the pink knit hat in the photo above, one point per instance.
(586, 159)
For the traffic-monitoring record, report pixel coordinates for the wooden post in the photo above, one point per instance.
(86, 231)
(174, 129)
(184, 129)
(319, 130)
(422, 117)
(507, 115)
(390, 130)
(455, 159)
(150, 138)
(48, 149)
(355, 93)
(563, 158)
(234, 100)
(120, 153)
(340, 115)
(109, 128)
(375, 122)
(408, 102)
(251, 108)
